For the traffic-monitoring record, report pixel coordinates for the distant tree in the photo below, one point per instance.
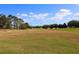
(37, 26)
(73, 23)
(64, 25)
(55, 26)
(24, 26)
(51, 26)
(45, 26)
(27, 25)
(60, 26)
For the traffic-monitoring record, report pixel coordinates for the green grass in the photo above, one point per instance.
(70, 29)
(39, 41)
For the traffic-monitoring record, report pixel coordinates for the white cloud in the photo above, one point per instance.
(69, 18)
(22, 15)
(33, 15)
(61, 14)
(64, 10)
(25, 15)
(75, 16)
(40, 15)
(18, 14)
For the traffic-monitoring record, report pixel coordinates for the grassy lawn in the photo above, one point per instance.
(39, 41)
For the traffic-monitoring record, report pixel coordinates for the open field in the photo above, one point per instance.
(39, 41)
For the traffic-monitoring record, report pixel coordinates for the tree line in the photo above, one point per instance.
(70, 24)
(13, 22)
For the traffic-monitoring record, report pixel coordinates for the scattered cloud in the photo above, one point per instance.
(75, 16)
(68, 18)
(61, 14)
(42, 16)
(22, 15)
(39, 16)
(33, 15)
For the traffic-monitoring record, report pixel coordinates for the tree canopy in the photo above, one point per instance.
(73, 23)
(11, 22)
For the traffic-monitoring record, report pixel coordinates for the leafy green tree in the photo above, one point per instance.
(51, 26)
(64, 25)
(23, 26)
(73, 23)
(12, 22)
(3, 21)
(45, 26)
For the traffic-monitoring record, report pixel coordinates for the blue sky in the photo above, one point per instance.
(40, 14)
